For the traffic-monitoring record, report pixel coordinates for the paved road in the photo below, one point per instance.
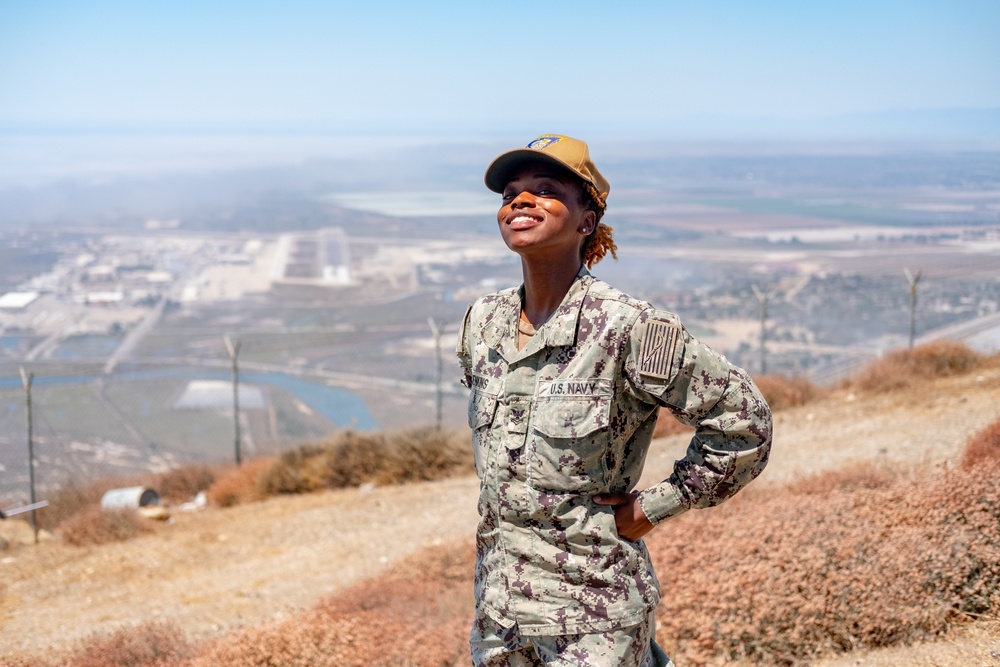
(135, 336)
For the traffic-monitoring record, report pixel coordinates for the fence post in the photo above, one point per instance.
(26, 380)
(234, 353)
(438, 397)
(913, 280)
(762, 297)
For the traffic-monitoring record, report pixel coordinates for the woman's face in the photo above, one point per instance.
(541, 213)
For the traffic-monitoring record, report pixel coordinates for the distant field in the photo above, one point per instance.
(844, 212)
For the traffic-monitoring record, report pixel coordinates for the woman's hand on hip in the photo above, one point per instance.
(630, 520)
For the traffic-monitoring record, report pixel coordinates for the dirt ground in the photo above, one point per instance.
(215, 570)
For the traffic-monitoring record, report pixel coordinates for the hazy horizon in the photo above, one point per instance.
(726, 70)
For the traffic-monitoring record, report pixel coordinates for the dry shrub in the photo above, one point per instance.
(904, 369)
(239, 485)
(854, 477)
(23, 661)
(350, 458)
(982, 447)
(415, 615)
(354, 458)
(425, 454)
(781, 391)
(795, 576)
(862, 560)
(347, 459)
(294, 471)
(67, 501)
(92, 525)
(182, 484)
(147, 645)
(173, 486)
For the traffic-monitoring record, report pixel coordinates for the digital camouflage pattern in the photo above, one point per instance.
(571, 416)
(497, 646)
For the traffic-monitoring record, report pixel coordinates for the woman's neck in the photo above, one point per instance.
(545, 286)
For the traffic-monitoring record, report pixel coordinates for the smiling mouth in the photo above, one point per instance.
(520, 220)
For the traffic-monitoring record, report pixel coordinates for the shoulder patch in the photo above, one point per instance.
(656, 353)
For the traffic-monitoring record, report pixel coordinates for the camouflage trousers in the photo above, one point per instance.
(494, 645)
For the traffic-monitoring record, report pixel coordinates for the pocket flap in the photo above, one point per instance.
(482, 406)
(571, 417)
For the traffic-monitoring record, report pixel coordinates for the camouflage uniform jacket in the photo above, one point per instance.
(571, 416)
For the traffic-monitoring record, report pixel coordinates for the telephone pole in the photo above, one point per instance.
(438, 397)
(913, 280)
(234, 353)
(27, 379)
(762, 298)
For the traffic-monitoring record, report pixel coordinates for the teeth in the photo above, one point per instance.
(523, 218)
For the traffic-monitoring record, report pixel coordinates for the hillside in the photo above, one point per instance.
(217, 570)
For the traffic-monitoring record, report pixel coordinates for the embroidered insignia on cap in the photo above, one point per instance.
(541, 143)
(657, 351)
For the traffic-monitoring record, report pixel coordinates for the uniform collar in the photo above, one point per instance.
(500, 333)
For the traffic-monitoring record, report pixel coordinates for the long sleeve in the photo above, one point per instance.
(730, 447)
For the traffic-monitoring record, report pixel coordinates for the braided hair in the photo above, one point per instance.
(600, 242)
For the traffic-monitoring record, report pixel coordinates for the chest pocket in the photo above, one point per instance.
(569, 440)
(482, 408)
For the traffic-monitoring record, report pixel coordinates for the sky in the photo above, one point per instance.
(487, 68)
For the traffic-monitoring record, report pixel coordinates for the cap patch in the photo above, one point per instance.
(541, 143)
(657, 351)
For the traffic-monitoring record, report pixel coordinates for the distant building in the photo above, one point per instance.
(218, 395)
(104, 298)
(100, 273)
(17, 300)
(335, 258)
(190, 293)
(319, 258)
(159, 277)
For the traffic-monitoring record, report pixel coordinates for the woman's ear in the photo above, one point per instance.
(589, 223)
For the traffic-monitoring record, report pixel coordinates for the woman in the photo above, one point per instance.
(567, 377)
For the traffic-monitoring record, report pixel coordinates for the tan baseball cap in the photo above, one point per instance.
(565, 152)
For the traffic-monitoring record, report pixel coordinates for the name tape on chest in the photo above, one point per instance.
(570, 387)
(479, 382)
(657, 350)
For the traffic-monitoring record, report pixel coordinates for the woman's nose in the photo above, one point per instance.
(522, 200)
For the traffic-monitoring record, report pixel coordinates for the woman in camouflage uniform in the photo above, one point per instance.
(567, 377)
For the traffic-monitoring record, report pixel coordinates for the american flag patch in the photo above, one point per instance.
(657, 352)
